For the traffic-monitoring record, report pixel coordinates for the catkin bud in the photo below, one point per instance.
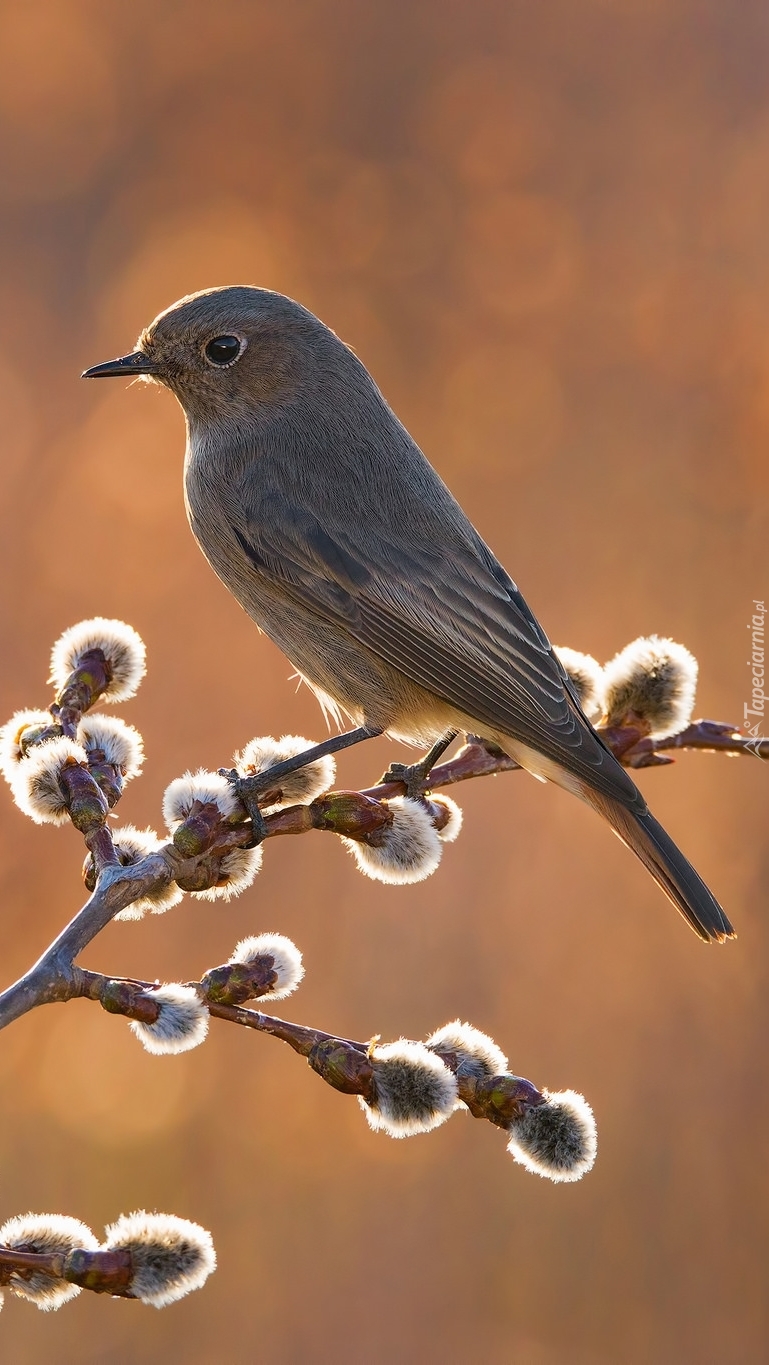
(657, 680)
(233, 871)
(35, 783)
(286, 961)
(170, 1257)
(414, 1091)
(46, 1234)
(121, 744)
(237, 870)
(407, 850)
(181, 1025)
(586, 676)
(122, 648)
(298, 788)
(557, 1139)
(207, 788)
(22, 732)
(453, 817)
(477, 1055)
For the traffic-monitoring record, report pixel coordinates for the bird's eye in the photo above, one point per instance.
(224, 351)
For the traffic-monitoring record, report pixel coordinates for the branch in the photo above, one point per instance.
(104, 1272)
(349, 814)
(202, 841)
(404, 1087)
(48, 1258)
(709, 736)
(52, 978)
(67, 764)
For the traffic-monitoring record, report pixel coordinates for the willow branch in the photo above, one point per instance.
(101, 1271)
(52, 977)
(343, 1063)
(351, 814)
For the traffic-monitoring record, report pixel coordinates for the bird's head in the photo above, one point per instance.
(228, 351)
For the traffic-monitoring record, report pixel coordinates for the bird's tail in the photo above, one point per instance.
(667, 864)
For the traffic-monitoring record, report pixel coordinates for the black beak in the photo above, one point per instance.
(128, 365)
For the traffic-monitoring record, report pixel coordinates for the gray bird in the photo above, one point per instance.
(321, 515)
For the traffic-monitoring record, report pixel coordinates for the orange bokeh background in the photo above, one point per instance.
(545, 230)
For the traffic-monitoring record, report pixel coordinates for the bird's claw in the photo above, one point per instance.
(412, 775)
(243, 788)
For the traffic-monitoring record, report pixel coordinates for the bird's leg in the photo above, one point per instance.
(247, 789)
(414, 775)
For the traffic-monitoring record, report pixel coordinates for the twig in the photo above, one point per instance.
(101, 1271)
(343, 1063)
(351, 814)
(710, 736)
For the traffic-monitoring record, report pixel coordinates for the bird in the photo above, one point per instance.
(328, 524)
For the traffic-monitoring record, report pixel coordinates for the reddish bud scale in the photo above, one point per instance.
(291, 820)
(439, 814)
(37, 734)
(500, 1099)
(624, 737)
(125, 997)
(89, 873)
(236, 982)
(198, 832)
(207, 872)
(102, 853)
(343, 1067)
(87, 806)
(107, 776)
(103, 1272)
(351, 814)
(82, 689)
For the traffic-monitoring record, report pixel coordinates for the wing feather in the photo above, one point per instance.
(451, 620)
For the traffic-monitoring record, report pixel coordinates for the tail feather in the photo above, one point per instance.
(667, 864)
(631, 820)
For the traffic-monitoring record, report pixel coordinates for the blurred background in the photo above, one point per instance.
(545, 229)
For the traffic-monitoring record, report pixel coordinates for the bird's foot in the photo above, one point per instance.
(246, 791)
(414, 776)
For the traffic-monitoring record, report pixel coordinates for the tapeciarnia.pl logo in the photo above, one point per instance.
(756, 663)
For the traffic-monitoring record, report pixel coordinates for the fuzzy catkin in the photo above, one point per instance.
(131, 846)
(35, 782)
(414, 1091)
(286, 961)
(586, 677)
(47, 1234)
(181, 1025)
(121, 646)
(12, 734)
(558, 1139)
(410, 849)
(655, 678)
(301, 786)
(477, 1054)
(170, 1257)
(237, 870)
(206, 787)
(121, 744)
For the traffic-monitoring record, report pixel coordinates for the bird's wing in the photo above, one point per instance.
(449, 618)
